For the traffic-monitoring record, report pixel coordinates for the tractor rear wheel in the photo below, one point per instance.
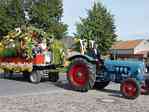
(101, 85)
(81, 75)
(130, 88)
(35, 77)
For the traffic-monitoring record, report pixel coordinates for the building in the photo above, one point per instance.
(131, 49)
(68, 41)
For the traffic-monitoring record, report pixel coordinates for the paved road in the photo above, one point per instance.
(18, 86)
(18, 95)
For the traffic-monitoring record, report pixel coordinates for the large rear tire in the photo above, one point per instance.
(35, 77)
(130, 88)
(81, 75)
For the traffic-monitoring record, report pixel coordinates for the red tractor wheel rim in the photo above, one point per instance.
(79, 75)
(129, 88)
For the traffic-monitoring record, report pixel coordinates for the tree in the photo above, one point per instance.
(47, 14)
(15, 10)
(98, 26)
(4, 22)
(11, 16)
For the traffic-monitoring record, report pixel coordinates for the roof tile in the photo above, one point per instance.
(130, 44)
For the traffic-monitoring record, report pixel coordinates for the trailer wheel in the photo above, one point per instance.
(81, 75)
(53, 76)
(101, 85)
(35, 77)
(130, 88)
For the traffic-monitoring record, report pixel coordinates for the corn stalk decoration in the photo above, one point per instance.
(58, 51)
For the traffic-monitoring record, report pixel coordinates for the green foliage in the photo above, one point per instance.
(4, 22)
(98, 26)
(11, 15)
(47, 14)
(58, 50)
(15, 11)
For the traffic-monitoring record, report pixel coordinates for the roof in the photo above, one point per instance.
(130, 44)
(142, 52)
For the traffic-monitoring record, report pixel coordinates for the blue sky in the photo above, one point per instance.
(131, 16)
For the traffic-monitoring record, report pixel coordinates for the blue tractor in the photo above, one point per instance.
(86, 72)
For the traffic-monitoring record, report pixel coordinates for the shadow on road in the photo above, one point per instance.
(115, 93)
(18, 77)
(65, 86)
(111, 92)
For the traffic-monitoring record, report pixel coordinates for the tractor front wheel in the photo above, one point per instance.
(81, 75)
(130, 88)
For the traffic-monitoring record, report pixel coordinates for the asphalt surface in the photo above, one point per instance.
(18, 95)
(17, 85)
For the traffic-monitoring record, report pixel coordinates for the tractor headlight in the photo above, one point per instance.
(139, 71)
(145, 70)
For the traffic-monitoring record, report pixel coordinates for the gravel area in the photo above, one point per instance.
(71, 101)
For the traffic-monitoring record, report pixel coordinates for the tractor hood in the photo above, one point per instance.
(133, 65)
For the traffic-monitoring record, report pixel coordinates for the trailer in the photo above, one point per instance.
(32, 70)
(29, 52)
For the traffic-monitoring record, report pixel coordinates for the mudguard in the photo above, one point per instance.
(89, 59)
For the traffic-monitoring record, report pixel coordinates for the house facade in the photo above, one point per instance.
(131, 49)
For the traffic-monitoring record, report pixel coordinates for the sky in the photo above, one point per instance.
(131, 16)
